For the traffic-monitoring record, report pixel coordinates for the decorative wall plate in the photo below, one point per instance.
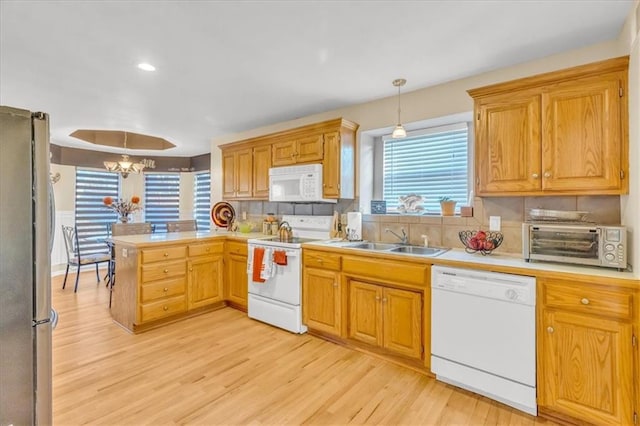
(222, 214)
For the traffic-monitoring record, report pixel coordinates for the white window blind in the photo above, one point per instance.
(91, 216)
(202, 200)
(161, 199)
(432, 164)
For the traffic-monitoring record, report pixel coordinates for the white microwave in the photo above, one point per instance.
(297, 184)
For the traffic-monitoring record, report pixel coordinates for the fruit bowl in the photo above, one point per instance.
(480, 241)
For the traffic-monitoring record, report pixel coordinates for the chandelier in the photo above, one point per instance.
(124, 166)
(399, 131)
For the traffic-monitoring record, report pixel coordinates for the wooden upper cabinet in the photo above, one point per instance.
(237, 174)
(582, 134)
(508, 144)
(560, 133)
(330, 143)
(261, 165)
(303, 149)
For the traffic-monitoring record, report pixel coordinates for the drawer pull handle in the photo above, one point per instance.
(320, 260)
(585, 301)
(165, 308)
(166, 255)
(165, 289)
(166, 271)
(550, 329)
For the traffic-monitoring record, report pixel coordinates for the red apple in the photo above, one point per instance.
(481, 235)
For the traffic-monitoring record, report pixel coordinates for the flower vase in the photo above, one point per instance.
(124, 219)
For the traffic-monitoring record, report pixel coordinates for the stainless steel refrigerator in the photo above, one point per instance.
(26, 234)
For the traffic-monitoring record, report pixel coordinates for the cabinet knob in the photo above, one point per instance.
(166, 255)
(165, 289)
(165, 308)
(585, 301)
(535, 175)
(547, 174)
(377, 297)
(550, 329)
(208, 249)
(335, 284)
(319, 260)
(384, 300)
(190, 269)
(166, 271)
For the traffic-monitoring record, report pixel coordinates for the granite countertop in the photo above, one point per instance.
(187, 236)
(459, 257)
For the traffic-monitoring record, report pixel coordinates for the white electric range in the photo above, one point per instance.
(278, 300)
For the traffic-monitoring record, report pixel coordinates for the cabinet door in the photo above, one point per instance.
(237, 279)
(228, 175)
(402, 319)
(261, 165)
(321, 300)
(508, 144)
(365, 313)
(205, 281)
(244, 167)
(581, 136)
(331, 165)
(283, 153)
(309, 148)
(586, 367)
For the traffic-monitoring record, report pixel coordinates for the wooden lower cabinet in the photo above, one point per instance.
(205, 281)
(585, 352)
(321, 300)
(387, 317)
(236, 281)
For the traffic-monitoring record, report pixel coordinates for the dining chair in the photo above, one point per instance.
(76, 258)
(119, 229)
(182, 225)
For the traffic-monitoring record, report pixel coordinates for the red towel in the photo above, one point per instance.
(280, 257)
(258, 255)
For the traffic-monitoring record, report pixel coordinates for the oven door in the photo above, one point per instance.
(567, 244)
(286, 285)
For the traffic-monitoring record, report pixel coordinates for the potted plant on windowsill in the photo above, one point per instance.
(447, 206)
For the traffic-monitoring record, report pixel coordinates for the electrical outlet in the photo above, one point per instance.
(244, 215)
(494, 223)
(125, 252)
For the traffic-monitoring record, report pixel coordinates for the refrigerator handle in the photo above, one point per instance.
(41, 220)
(54, 319)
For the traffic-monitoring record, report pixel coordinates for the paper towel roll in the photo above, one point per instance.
(354, 226)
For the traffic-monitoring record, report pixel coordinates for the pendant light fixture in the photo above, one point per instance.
(399, 131)
(124, 166)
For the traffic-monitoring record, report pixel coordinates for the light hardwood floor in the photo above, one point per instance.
(224, 368)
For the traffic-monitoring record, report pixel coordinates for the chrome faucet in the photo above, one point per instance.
(403, 238)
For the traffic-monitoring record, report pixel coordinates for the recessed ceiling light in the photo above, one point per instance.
(146, 67)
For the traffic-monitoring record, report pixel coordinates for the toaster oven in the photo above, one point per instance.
(583, 244)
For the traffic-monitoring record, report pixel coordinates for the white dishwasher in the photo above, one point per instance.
(483, 334)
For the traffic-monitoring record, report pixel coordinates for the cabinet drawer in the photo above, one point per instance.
(166, 253)
(163, 308)
(317, 259)
(205, 248)
(163, 270)
(161, 289)
(237, 248)
(386, 270)
(589, 299)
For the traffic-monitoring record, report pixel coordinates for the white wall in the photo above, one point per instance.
(630, 205)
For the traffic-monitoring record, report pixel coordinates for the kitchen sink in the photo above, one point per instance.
(419, 250)
(371, 246)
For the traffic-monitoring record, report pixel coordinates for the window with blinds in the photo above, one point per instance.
(161, 199)
(432, 164)
(91, 216)
(202, 200)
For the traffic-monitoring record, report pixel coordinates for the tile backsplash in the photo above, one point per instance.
(513, 211)
(443, 230)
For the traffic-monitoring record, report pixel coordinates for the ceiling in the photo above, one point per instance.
(229, 66)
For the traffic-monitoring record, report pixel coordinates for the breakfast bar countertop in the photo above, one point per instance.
(183, 237)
